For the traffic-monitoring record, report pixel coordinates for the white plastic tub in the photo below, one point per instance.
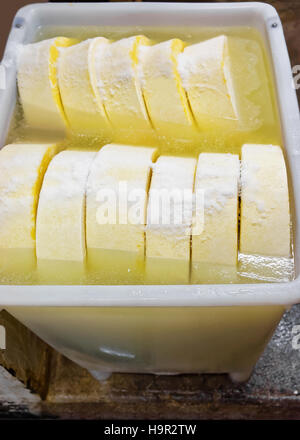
(160, 329)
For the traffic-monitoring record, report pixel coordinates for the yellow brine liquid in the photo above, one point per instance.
(260, 125)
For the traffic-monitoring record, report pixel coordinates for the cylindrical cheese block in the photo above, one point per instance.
(169, 220)
(37, 84)
(61, 208)
(119, 85)
(22, 168)
(116, 213)
(117, 184)
(164, 95)
(78, 87)
(265, 212)
(205, 72)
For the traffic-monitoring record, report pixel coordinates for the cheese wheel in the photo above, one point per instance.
(61, 209)
(22, 168)
(119, 85)
(37, 83)
(78, 87)
(164, 95)
(169, 215)
(265, 213)
(205, 72)
(217, 178)
(118, 181)
(169, 220)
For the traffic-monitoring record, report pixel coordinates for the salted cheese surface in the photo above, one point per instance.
(165, 97)
(117, 196)
(169, 214)
(60, 226)
(265, 212)
(78, 87)
(205, 73)
(217, 177)
(119, 84)
(22, 168)
(37, 83)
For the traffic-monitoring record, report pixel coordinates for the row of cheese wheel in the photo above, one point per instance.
(96, 85)
(49, 200)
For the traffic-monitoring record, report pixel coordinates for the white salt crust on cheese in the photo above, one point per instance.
(37, 84)
(22, 168)
(265, 212)
(119, 84)
(205, 73)
(60, 225)
(164, 95)
(218, 177)
(169, 214)
(129, 166)
(78, 87)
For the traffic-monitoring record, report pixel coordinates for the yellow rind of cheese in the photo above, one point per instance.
(205, 73)
(119, 178)
(38, 86)
(119, 84)
(77, 84)
(265, 212)
(164, 95)
(60, 225)
(22, 168)
(169, 220)
(217, 178)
